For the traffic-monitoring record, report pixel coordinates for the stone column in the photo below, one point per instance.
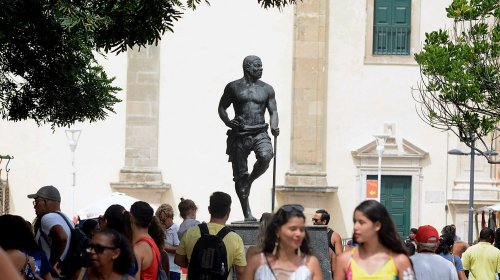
(310, 74)
(140, 177)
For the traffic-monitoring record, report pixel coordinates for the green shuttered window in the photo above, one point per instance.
(391, 27)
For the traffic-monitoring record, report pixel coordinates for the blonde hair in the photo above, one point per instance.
(164, 212)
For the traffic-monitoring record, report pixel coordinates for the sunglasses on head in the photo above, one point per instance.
(290, 207)
(98, 248)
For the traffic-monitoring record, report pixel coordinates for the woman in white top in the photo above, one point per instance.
(165, 213)
(286, 254)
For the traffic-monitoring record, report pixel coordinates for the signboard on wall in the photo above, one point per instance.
(372, 189)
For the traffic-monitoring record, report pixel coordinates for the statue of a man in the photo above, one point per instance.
(250, 98)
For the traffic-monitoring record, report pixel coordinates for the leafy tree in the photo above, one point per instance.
(460, 74)
(48, 71)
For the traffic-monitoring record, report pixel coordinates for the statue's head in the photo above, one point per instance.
(252, 66)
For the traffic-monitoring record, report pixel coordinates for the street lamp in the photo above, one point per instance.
(380, 150)
(72, 136)
(472, 154)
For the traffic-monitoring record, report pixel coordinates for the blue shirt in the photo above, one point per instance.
(453, 259)
(42, 265)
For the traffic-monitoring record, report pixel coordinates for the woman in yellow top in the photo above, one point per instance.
(379, 253)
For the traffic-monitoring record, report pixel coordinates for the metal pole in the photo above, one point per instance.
(74, 184)
(274, 174)
(379, 176)
(471, 191)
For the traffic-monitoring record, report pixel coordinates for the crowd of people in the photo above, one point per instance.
(146, 244)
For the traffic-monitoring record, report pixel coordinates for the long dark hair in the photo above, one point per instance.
(387, 235)
(144, 218)
(117, 218)
(445, 243)
(16, 234)
(278, 220)
(124, 261)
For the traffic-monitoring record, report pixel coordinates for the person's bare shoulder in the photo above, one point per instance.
(401, 261)
(252, 250)
(459, 247)
(141, 248)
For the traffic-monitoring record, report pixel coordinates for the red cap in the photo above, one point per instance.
(427, 234)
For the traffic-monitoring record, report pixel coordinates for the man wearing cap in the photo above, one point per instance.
(426, 263)
(483, 259)
(51, 231)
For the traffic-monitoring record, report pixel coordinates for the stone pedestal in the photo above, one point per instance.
(318, 241)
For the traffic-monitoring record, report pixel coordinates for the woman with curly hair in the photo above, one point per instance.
(380, 253)
(165, 214)
(286, 254)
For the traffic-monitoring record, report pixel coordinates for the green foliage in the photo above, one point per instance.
(460, 85)
(280, 4)
(48, 71)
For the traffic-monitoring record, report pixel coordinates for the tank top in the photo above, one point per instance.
(151, 272)
(329, 233)
(355, 272)
(264, 271)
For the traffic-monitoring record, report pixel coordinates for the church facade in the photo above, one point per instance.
(343, 73)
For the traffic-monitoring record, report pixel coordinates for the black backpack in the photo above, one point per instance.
(209, 258)
(77, 256)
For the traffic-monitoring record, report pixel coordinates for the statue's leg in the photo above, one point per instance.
(240, 175)
(243, 197)
(264, 153)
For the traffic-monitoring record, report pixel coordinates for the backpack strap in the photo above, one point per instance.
(64, 218)
(223, 232)
(45, 236)
(203, 229)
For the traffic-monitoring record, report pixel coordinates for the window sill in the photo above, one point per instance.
(391, 59)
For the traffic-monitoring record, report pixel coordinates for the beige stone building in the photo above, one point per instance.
(342, 71)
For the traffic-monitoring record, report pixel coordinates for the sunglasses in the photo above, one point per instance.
(316, 220)
(99, 249)
(290, 207)
(36, 201)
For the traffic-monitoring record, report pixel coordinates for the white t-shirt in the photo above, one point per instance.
(49, 220)
(172, 240)
(430, 266)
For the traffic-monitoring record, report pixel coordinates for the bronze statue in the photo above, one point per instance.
(250, 98)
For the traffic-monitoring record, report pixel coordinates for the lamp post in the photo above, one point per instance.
(72, 136)
(472, 154)
(380, 151)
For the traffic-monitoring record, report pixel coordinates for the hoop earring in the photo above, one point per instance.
(276, 244)
(299, 253)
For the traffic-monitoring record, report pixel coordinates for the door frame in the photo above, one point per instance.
(400, 158)
(416, 181)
